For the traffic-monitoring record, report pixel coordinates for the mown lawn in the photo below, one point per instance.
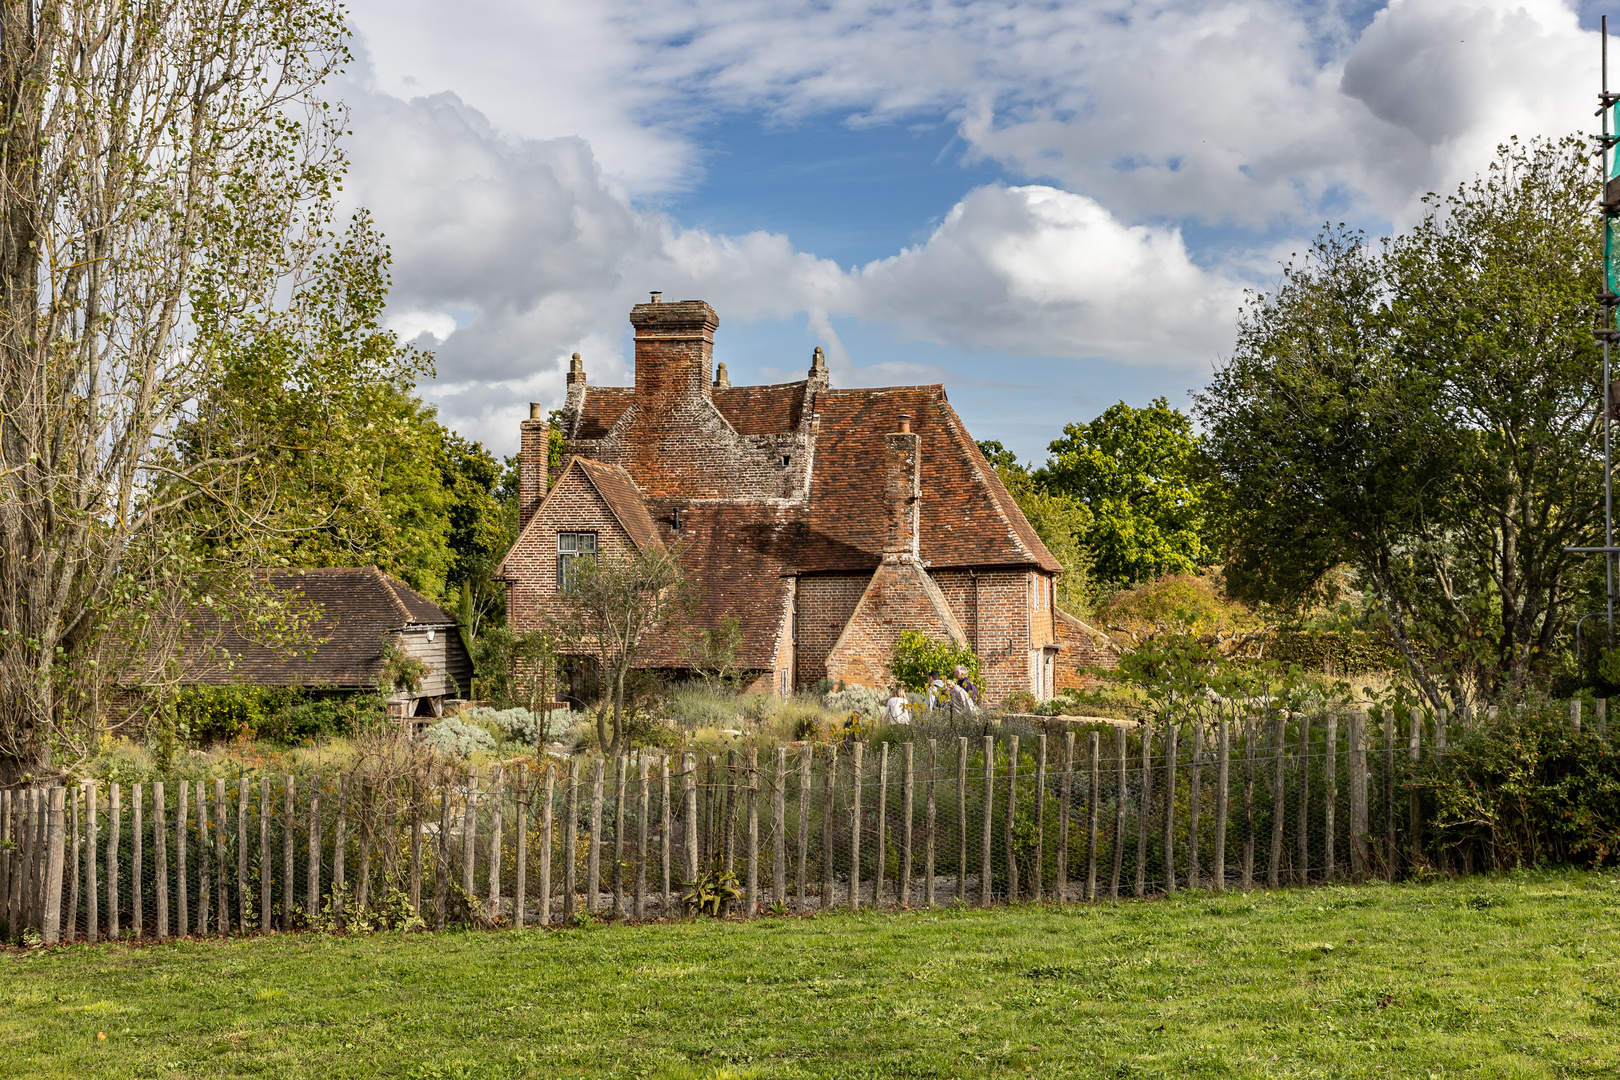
(1515, 976)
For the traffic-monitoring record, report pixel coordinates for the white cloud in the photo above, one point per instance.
(512, 203)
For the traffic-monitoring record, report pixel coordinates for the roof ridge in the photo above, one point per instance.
(388, 582)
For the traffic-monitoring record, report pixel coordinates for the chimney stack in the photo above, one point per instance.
(902, 493)
(576, 386)
(534, 459)
(674, 350)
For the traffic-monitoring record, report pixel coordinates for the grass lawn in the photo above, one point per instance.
(1513, 976)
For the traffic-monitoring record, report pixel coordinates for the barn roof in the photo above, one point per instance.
(356, 607)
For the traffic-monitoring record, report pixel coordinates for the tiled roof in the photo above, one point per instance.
(603, 407)
(761, 410)
(737, 557)
(619, 492)
(358, 606)
(968, 517)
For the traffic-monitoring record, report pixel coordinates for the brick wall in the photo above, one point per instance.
(998, 617)
(1083, 646)
(531, 567)
(825, 605)
(900, 597)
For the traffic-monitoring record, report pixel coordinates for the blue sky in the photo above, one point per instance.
(1048, 207)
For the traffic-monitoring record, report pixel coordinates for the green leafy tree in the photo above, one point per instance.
(1141, 480)
(1424, 413)
(167, 173)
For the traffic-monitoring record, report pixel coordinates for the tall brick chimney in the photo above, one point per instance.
(674, 349)
(533, 459)
(902, 493)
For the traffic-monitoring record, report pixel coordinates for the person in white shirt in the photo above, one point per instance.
(938, 693)
(895, 712)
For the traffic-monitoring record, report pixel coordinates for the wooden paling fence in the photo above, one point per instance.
(1251, 801)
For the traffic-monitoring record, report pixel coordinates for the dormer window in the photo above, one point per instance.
(572, 546)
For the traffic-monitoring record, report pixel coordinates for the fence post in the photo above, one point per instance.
(1575, 713)
(55, 839)
(6, 861)
(469, 840)
(1250, 725)
(1330, 771)
(1600, 706)
(71, 930)
(1358, 795)
(1414, 810)
(1039, 869)
(986, 867)
(779, 823)
(1222, 800)
(1119, 813)
(908, 799)
(855, 829)
(244, 898)
(961, 818)
(441, 859)
(497, 794)
(183, 913)
(340, 847)
(289, 836)
(882, 824)
(806, 755)
(546, 827)
(1195, 789)
(1279, 798)
(220, 863)
(266, 878)
(1012, 813)
(416, 846)
(1389, 792)
(1172, 737)
(114, 826)
(160, 850)
(752, 884)
(593, 863)
(664, 827)
(1303, 874)
(520, 883)
(312, 852)
(827, 829)
(621, 769)
(1093, 807)
(571, 836)
(689, 841)
(1139, 886)
(643, 767)
(137, 836)
(930, 821)
(205, 853)
(1066, 794)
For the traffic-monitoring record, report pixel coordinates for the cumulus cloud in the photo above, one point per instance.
(510, 153)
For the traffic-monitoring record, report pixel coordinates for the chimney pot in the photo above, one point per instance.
(657, 297)
(534, 410)
(905, 423)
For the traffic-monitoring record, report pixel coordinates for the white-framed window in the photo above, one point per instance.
(571, 546)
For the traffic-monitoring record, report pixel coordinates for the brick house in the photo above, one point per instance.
(826, 521)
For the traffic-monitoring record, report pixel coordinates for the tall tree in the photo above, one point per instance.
(166, 179)
(1424, 412)
(1140, 476)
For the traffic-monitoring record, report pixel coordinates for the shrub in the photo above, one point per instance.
(695, 705)
(518, 724)
(916, 654)
(856, 699)
(1528, 789)
(1021, 701)
(455, 736)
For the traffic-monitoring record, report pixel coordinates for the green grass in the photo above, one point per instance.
(1517, 976)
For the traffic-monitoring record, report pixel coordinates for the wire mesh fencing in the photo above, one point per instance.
(953, 815)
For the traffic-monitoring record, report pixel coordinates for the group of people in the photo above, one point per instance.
(960, 697)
